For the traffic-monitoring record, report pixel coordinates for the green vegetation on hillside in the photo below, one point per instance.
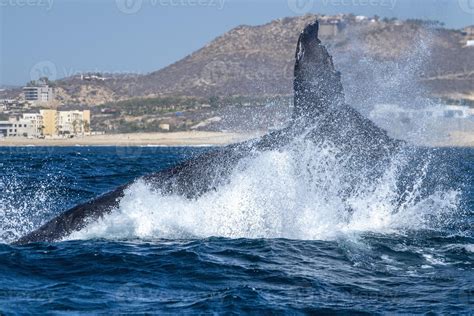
(176, 113)
(145, 106)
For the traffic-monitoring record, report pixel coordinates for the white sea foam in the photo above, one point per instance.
(469, 248)
(300, 192)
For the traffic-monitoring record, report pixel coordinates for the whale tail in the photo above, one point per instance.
(317, 85)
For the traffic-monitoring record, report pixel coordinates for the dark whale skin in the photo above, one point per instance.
(320, 114)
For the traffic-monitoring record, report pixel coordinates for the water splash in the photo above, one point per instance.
(24, 206)
(299, 192)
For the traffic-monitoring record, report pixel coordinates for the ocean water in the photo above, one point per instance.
(284, 235)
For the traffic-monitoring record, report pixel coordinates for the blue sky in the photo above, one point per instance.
(59, 38)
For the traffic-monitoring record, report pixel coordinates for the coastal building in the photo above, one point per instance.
(47, 123)
(35, 122)
(50, 122)
(39, 95)
(74, 122)
(17, 127)
(65, 122)
(6, 128)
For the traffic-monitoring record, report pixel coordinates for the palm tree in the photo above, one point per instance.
(74, 126)
(87, 126)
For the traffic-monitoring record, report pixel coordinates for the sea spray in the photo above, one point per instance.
(23, 206)
(303, 191)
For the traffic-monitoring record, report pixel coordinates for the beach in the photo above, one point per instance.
(137, 139)
(193, 138)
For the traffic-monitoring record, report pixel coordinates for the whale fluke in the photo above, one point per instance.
(317, 84)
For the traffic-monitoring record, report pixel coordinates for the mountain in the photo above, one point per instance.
(258, 60)
(389, 55)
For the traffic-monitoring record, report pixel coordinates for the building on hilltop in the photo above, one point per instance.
(468, 33)
(328, 30)
(330, 26)
(43, 94)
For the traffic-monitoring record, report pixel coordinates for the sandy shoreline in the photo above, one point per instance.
(456, 139)
(136, 139)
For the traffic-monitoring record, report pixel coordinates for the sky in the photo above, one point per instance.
(60, 38)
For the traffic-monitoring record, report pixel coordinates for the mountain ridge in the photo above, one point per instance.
(258, 61)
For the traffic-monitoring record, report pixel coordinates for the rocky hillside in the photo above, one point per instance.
(258, 61)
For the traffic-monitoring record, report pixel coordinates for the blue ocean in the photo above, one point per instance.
(270, 241)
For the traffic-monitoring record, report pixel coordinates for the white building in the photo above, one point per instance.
(47, 122)
(6, 128)
(361, 18)
(92, 77)
(73, 122)
(35, 122)
(18, 128)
